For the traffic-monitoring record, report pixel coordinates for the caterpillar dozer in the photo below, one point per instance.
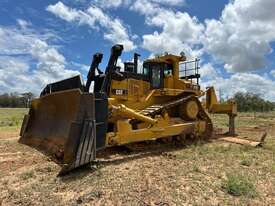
(71, 121)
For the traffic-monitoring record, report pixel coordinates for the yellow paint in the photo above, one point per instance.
(162, 129)
(129, 96)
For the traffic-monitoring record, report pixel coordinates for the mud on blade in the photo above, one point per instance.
(62, 125)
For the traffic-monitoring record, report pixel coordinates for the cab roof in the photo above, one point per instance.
(168, 58)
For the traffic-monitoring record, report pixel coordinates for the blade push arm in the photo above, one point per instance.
(115, 53)
(97, 58)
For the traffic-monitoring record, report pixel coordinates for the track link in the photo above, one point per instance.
(154, 110)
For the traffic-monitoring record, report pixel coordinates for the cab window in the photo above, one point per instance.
(168, 69)
(146, 69)
(156, 76)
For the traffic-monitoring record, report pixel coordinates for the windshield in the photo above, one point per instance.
(146, 69)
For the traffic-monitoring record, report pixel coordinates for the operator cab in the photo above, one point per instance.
(172, 72)
(160, 73)
(157, 72)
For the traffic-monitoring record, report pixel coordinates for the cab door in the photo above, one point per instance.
(156, 76)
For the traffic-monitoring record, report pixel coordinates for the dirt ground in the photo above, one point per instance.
(151, 173)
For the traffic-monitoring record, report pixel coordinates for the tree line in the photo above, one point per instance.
(247, 102)
(15, 100)
(250, 102)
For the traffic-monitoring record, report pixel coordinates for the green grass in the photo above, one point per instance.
(246, 162)
(244, 119)
(216, 173)
(27, 175)
(11, 118)
(240, 185)
(196, 168)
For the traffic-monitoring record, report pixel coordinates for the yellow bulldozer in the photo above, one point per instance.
(71, 121)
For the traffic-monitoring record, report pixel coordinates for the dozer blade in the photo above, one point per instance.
(62, 125)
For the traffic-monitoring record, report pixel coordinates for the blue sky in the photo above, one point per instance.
(47, 40)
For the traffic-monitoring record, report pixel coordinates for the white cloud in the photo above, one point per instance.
(238, 82)
(147, 8)
(23, 24)
(71, 15)
(208, 72)
(50, 62)
(179, 31)
(123, 3)
(11, 42)
(242, 36)
(20, 48)
(114, 30)
(111, 3)
(272, 72)
(120, 64)
(11, 72)
(170, 2)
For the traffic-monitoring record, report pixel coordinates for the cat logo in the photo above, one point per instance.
(119, 92)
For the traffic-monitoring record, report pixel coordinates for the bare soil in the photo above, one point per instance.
(148, 173)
